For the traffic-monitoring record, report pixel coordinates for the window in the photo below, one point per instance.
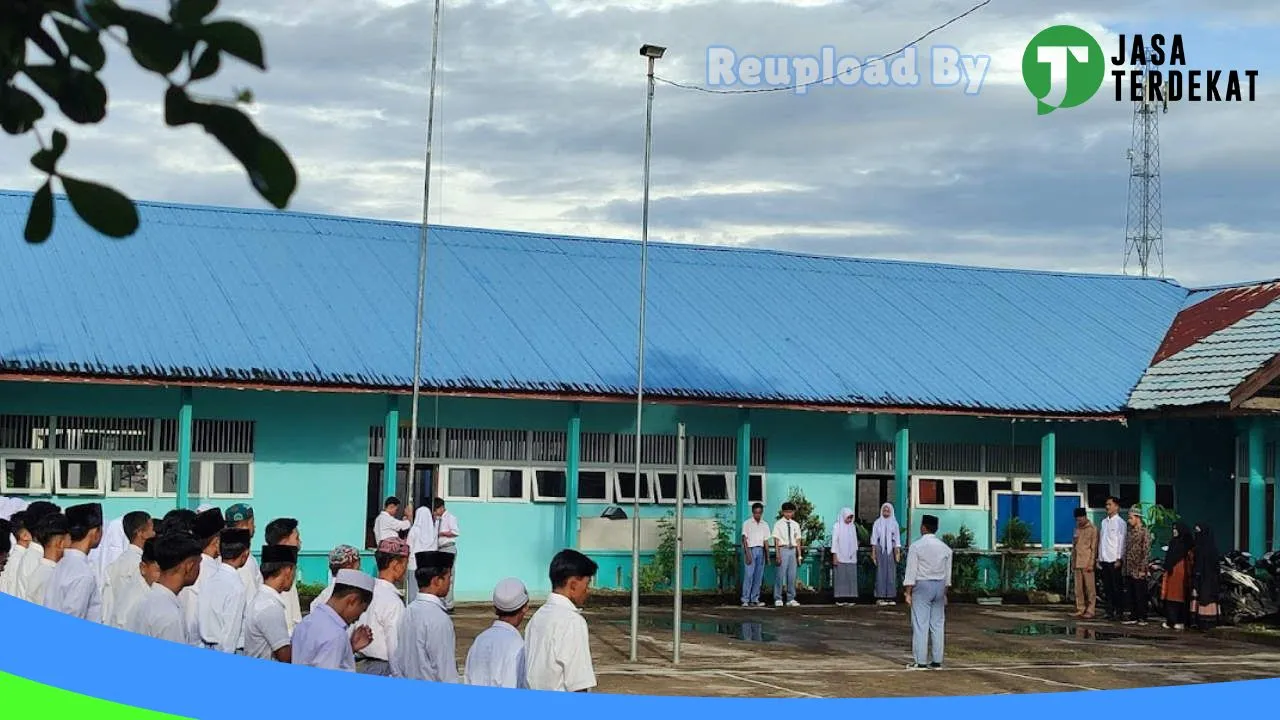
(506, 484)
(1097, 494)
(551, 484)
(462, 484)
(932, 492)
(1165, 496)
(1128, 495)
(129, 478)
(995, 486)
(755, 488)
(26, 476)
(231, 479)
(626, 487)
(169, 480)
(1029, 487)
(593, 486)
(667, 487)
(966, 493)
(714, 488)
(79, 477)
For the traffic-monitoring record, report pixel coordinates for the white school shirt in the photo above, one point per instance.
(9, 577)
(122, 585)
(35, 584)
(1111, 540)
(386, 526)
(447, 523)
(30, 561)
(425, 643)
(496, 658)
(323, 597)
(251, 574)
(265, 629)
(321, 641)
(73, 587)
(292, 608)
(557, 648)
(160, 615)
(786, 533)
(928, 559)
(221, 610)
(383, 618)
(756, 533)
(190, 598)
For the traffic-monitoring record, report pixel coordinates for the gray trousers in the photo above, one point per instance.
(370, 666)
(448, 599)
(928, 620)
(784, 578)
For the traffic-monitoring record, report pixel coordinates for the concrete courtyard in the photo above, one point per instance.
(862, 652)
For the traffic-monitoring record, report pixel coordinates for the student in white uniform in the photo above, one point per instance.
(207, 529)
(423, 537)
(124, 575)
(284, 531)
(240, 516)
(496, 658)
(926, 582)
(266, 632)
(73, 588)
(159, 613)
(221, 600)
(387, 525)
(384, 613)
(426, 645)
(52, 538)
(788, 544)
(36, 511)
(19, 544)
(129, 596)
(557, 645)
(447, 534)
(6, 543)
(322, 638)
(114, 541)
(342, 557)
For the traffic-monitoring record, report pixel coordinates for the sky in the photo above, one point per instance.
(540, 128)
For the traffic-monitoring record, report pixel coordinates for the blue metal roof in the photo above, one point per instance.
(242, 295)
(1207, 372)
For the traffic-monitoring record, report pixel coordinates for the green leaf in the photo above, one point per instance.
(244, 96)
(103, 208)
(191, 12)
(269, 167)
(80, 95)
(46, 159)
(19, 110)
(83, 44)
(40, 216)
(235, 38)
(178, 108)
(276, 178)
(207, 64)
(59, 143)
(156, 45)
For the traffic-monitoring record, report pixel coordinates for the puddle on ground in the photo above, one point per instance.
(746, 631)
(1071, 630)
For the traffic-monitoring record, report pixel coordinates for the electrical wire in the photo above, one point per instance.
(895, 53)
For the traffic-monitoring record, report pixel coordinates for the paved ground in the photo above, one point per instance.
(862, 652)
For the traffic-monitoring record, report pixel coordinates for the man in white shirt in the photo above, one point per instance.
(52, 539)
(221, 600)
(36, 511)
(266, 632)
(788, 542)
(425, 644)
(384, 613)
(342, 557)
(755, 541)
(387, 525)
(322, 640)
(496, 658)
(128, 597)
(1111, 538)
(926, 582)
(159, 614)
(19, 544)
(207, 529)
(284, 531)
(73, 587)
(447, 534)
(124, 575)
(557, 645)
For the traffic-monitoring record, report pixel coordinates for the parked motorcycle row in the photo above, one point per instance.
(1250, 590)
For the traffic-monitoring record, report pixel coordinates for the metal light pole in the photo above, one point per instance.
(652, 52)
(422, 265)
(679, 568)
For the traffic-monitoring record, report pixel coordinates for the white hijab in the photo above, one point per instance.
(886, 534)
(112, 546)
(844, 538)
(423, 536)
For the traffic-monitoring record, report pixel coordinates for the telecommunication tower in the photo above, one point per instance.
(1144, 228)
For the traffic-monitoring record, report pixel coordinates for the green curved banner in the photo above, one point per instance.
(46, 701)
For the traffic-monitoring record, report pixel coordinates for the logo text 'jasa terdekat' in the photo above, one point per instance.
(1169, 79)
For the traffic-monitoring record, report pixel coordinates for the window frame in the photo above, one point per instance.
(206, 479)
(98, 463)
(486, 482)
(47, 473)
(537, 496)
(447, 495)
(731, 485)
(655, 484)
(609, 488)
(155, 476)
(621, 499)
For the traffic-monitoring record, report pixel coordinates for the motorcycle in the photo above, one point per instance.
(1243, 595)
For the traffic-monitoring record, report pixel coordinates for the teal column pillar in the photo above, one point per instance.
(902, 475)
(1048, 476)
(572, 458)
(742, 489)
(1147, 470)
(391, 449)
(184, 451)
(1257, 489)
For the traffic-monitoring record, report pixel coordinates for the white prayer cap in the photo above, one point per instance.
(203, 507)
(354, 578)
(510, 595)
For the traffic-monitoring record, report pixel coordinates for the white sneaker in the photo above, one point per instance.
(793, 603)
(746, 604)
(777, 603)
(757, 604)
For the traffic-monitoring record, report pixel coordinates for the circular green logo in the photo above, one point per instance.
(1071, 54)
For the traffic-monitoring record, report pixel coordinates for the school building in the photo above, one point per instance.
(224, 355)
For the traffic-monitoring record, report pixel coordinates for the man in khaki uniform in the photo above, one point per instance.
(1084, 557)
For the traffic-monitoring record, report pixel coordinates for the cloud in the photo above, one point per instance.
(540, 124)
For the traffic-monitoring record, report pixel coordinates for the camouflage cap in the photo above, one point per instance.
(343, 555)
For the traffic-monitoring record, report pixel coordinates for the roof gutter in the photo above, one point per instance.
(565, 397)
